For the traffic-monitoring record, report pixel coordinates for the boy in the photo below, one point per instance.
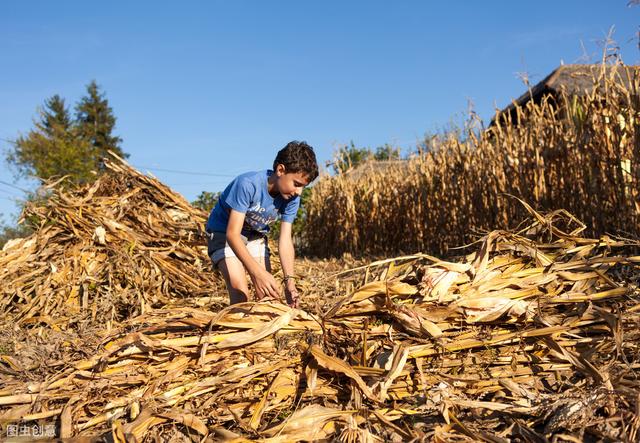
(239, 224)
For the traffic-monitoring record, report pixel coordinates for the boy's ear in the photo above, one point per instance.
(280, 169)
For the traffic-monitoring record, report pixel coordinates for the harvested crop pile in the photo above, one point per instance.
(534, 335)
(105, 252)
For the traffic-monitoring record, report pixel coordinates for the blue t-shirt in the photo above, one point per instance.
(248, 193)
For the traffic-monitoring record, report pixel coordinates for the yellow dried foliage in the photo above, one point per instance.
(532, 335)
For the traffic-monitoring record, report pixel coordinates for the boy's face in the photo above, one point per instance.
(290, 184)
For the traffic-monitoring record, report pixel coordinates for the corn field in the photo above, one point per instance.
(579, 153)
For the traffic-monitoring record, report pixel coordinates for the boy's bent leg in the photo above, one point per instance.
(236, 279)
(260, 253)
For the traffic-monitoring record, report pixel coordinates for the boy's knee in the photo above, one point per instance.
(239, 285)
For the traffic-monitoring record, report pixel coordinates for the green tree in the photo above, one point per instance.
(9, 232)
(206, 200)
(53, 148)
(349, 157)
(95, 122)
(61, 146)
(301, 217)
(387, 152)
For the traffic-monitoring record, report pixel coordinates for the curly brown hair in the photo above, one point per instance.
(298, 157)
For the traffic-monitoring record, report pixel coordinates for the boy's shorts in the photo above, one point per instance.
(218, 248)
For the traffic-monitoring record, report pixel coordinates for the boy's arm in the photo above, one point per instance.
(287, 257)
(264, 282)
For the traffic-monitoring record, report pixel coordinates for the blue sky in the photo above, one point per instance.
(218, 87)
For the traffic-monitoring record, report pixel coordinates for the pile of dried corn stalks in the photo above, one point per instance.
(534, 335)
(105, 252)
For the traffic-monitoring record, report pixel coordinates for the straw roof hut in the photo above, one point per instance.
(576, 80)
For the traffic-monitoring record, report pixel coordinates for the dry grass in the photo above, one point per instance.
(533, 336)
(107, 252)
(579, 154)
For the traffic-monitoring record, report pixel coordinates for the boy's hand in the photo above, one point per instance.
(291, 293)
(266, 285)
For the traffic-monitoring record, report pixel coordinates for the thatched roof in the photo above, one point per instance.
(576, 80)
